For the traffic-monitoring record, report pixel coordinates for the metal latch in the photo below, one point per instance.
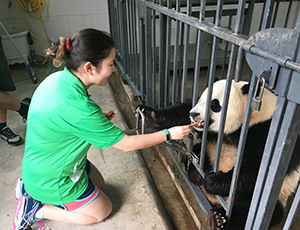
(259, 90)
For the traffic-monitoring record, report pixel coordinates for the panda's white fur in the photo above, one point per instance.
(236, 107)
(289, 186)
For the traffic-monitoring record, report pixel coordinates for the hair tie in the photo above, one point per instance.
(68, 44)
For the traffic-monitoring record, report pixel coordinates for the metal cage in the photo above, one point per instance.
(170, 50)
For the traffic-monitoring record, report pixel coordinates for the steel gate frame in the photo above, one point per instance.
(137, 58)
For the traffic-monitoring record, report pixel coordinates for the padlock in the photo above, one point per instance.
(256, 101)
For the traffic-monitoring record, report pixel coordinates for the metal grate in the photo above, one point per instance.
(170, 51)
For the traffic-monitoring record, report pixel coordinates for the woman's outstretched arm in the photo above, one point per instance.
(130, 143)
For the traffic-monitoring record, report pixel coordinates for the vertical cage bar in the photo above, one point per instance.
(265, 162)
(289, 130)
(248, 18)
(124, 33)
(181, 51)
(233, 59)
(176, 53)
(154, 98)
(291, 218)
(297, 26)
(225, 50)
(141, 13)
(185, 54)
(162, 57)
(295, 207)
(275, 13)
(267, 15)
(132, 41)
(288, 13)
(167, 56)
(135, 44)
(198, 54)
(148, 56)
(128, 16)
(213, 67)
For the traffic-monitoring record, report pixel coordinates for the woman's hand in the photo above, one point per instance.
(110, 115)
(179, 132)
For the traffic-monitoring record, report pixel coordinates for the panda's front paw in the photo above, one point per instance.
(194, 176)
(216, 220)
(217, 183)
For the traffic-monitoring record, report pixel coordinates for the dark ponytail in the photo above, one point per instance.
(87, 45)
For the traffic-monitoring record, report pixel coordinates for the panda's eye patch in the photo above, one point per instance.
(215, 106)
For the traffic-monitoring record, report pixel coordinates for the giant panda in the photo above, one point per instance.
(219, 183)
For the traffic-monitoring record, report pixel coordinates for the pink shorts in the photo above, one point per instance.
(87, 197)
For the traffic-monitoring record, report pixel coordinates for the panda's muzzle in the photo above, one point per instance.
(195, 118)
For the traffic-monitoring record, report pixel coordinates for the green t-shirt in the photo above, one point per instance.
(62, 124)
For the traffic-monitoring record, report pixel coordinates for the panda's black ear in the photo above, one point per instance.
(216, 79)
(245, 89)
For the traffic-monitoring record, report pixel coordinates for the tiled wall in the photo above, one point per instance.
(60, 18)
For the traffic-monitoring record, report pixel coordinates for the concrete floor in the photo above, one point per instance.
(136, 203)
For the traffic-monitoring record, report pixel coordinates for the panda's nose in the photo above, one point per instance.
(193, 114)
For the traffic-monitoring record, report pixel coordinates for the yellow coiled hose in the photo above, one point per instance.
(36, 7)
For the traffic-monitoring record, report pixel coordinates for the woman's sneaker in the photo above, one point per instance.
(20, 189)
(26, 210)
(10, 136)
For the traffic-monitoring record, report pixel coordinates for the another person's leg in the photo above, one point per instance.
(5, 132)
(7, 102)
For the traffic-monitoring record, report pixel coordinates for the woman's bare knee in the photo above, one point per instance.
(94, 212)
(100, 208)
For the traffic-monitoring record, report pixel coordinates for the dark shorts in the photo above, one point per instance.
(87, 197)
(6, 82)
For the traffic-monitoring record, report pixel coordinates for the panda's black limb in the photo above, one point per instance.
(218, 183)
(277, 215)
(167, 117)
(217, 220)
(194, 176)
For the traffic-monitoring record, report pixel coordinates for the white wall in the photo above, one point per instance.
(60, 18)
(65, 17)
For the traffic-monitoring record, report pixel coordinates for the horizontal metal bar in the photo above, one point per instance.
(226, 34)
(282, 61)
(220, 32)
